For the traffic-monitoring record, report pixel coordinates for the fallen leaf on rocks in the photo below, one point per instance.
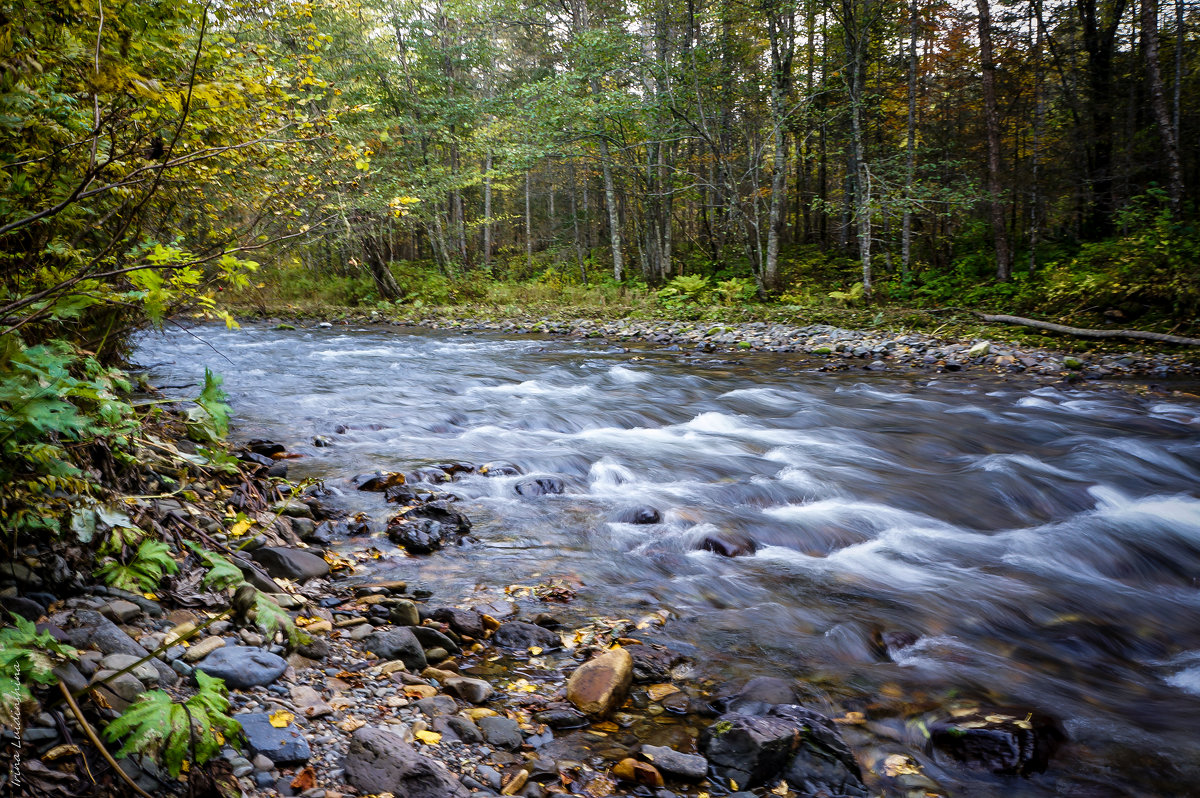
(518, 781)
(535, 650)
(428, 737)
(658, 692)
(305, 780)
(351, 724)
(781, 788)
(60, 751)
(420, 691)
(900, 765)
(281, 719)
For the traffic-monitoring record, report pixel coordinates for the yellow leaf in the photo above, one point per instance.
(428, 737)
(351, 723)
(281, 719)
(151, 596)
(240, 527)
(658, 692)
(535, 650)
(781, 788)
(60, 751)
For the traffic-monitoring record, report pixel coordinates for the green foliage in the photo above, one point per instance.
(684, 289)
(848, 298)
(208, 421)
(735, 290)
(26, 655)
(142, 571)
(222, 572)
(191, 731)
(272, 618)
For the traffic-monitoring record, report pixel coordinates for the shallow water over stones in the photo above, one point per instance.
(908, 542)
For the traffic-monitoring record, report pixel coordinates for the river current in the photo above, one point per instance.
(927, 537)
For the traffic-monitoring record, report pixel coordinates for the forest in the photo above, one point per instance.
(1023, 156)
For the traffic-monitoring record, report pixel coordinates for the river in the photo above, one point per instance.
(1014, 544)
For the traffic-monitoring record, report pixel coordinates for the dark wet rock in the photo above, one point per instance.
(378, 482)
(638, 515)
(540, 486)
(94, 630)
(759, 694)
(521, 635)
(265, 448)
(120, 611)
(401, 644)
(791, 741)
(692, 767)
(460, 728)
(295, 564)
(499, 469)
(427, 527)
(255, 575)
(380, 761)
(823, 763)
(503, 733)
(432, 638)
(547, 620)
(562, 718)
(1004, 741)
(27, 608)
(728, 546)
(464, 622)
(257, 459)
(652, 663)
(278, 469)
(284, 746)
(402, 494)
(243, 667)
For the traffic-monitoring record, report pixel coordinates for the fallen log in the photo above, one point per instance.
(1083, 332)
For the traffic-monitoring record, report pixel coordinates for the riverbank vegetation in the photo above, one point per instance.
(690, 160)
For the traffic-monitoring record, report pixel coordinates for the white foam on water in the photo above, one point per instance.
(530, 388)
(1187, 680)
(1015, 462)
(627, 376)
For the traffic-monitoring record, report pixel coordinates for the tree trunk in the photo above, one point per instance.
(528, 223)
(992, 122)
(614, 216)
(1158, 100)
(910, 142)
(487, 214)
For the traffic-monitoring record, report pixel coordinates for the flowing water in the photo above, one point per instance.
(1015, 544)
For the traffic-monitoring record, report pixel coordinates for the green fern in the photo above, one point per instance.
(158, 726)
(143, 573)
(26, 655)
(222, 573)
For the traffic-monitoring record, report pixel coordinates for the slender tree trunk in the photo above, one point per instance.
(910, 142)
(487, 213)
(781, 30)
(992, 122)
(575, 224)
(528, 222)
(859, 175)
(1035, 200)
(614, 215)
(1149, 20)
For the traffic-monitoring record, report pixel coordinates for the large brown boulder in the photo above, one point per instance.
(599, 685)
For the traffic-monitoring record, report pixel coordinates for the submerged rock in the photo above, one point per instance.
(638, 515)
(541, 486)
(729, 546)
(1003, 741)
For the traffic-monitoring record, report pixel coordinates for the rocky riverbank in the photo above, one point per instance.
(828, 348)
(391, 689)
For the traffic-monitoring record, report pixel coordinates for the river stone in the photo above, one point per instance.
(1003, 741)
(474, 691)
(399, 644)
(540, 486)
(126, 685)
(562, 718)
(282, 746)
(519, 634)
(295, 564)
(789, 741)
(242, 667)
(309, 702)
(503, 733)
(380, 761)
(638, 515)
(652, 663)
(405, 613)
(202, 649)
(144, 672)
(599, 685)
(464, 622)
(27, 608)
(432, 638)
(93, 629)
(728, 546)
(462, 728)
(441, 512)
(120, 611)
(692, 767)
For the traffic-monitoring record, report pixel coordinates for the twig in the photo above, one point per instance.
(91, 733)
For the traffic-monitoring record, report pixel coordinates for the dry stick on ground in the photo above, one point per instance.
(91, 733)
(1082, 332)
